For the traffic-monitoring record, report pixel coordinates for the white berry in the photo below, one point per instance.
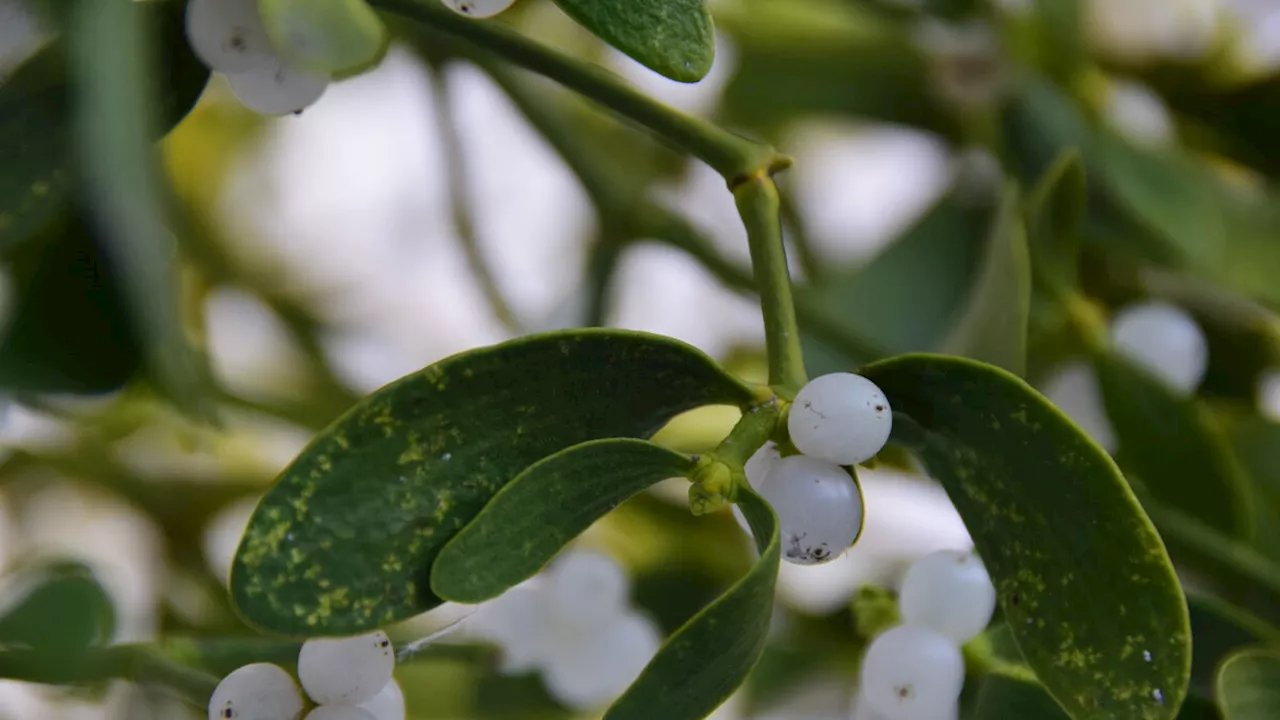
(590, 671)
(948, 591)
(338, 712)
(841, 418)
(388, 704)
(516, 621)
(478, 8)
(277, 88)
(1163, 339)
(909, 673)
(228, 35)
(585, 590)
(261, 691)
(756, 468)
(346, 671)
(819, 508)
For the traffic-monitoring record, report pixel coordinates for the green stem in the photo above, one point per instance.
(460, 212)
(731, 155)
(142, 664)
(749, 435)
(757, 200)
(602, 266)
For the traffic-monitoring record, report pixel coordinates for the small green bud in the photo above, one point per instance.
(875, 610)
(713, 488)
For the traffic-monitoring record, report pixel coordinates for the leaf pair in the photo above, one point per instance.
(467, 477)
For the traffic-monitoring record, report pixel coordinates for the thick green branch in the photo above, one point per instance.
(757, 200)
(731, 155)
(141, 664)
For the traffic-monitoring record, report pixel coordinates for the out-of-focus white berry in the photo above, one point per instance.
(388, 704)
(911, 673)
(1269, 394)
(1138, 113)
(1141, 31)
(516, 621)
(346, 671)
(969, 69)
(478, 8)
(841, 418)
(819, 508)
(338, 712)
(1073, 388)
(756, 468)
(593, 670)
(260, 691)
(950, 592)
(277, 88)
(585, 590)
(1163, 339)
(228, 35)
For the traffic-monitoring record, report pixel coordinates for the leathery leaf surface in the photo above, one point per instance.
(544, 508)
(1082, 576)
(345, 539)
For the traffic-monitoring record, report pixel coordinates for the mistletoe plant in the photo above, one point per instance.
(465, 479)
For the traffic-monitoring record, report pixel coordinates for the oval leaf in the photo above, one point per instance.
(671, 37)
(345, 539)
(531, 519)
(993, 324)
(69, 331)
(1054, 212)
(327, 36)
(705, 661)
(905, 298)
(36, 174)
(1249, 685)
(1083, 578)
(59, 609)
(1173, 447)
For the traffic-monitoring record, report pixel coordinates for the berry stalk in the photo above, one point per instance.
(758, 204)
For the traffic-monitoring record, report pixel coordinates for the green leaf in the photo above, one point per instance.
(705, 661)
(671, 37)
(1082, 577)
(1005, 698)
(1249, 685)
(69, 332)
(37, 175)
(345, 539)
(993, 324)
(905, 298)
(327, 36)
(119, 100)
(35, 158)
(1219, 628)
(1054, 212)
(1164, 191)
(542, 509)
(1173, 447)
(798, 60)
(59, 609)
